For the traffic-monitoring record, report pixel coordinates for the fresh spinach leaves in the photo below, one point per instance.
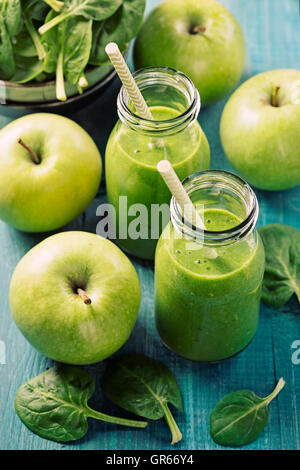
(12, 14)
(282, 273)
(10, 26)
(54, 404)
(119, 28)
(239, 417)
(88, 9)
(7, 61)
(37, 9)
(62, 39)
(23, 45)
(27, 69)
(67, 51)
(34, 35)
(144, 387)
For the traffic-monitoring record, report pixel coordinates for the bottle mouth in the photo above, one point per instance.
(156, 84)
(231, 193)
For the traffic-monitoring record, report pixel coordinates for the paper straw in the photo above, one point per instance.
(182, 198)
(116, 58)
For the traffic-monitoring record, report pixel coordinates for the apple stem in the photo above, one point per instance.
(84, 297)
(198, 29)
(274, 96)
(35, 158)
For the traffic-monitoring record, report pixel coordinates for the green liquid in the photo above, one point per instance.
(207, 307)
(131, 160)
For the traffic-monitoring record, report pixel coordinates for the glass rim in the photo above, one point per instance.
(160, 73)
(239, 231)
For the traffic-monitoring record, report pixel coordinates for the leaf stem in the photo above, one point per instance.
(82, 82)
(176, 434)
(56, 5)
(276, 390)
(34, 36)
(60, 83)
(113, 419)
(55, 21)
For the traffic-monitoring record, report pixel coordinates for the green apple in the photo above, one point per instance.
(75, 297)
(50, 171)
(198, 37)
(260, 129)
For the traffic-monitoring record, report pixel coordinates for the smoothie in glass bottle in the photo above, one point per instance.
(136, 145)
(208, 285)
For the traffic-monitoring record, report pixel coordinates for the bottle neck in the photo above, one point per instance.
(217, 190)
(161, 87)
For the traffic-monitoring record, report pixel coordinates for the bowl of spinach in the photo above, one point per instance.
(53, 51)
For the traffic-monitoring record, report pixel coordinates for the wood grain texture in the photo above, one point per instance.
(271, 29)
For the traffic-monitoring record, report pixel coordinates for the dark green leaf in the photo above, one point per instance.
(144, 387)
(54, 404)
(27, 69)
(239, 417)
(88, 9)
(282, 273)
(77, 46)
(51, 42)
(119, 28)
(7, 61)
(71, 42)
(38, 9)
(23, 45)
(35, 37)
(11, 12)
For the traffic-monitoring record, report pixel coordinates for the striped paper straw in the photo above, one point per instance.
(182, 198)
(116, 58)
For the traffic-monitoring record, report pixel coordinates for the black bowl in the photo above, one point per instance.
(73, 103)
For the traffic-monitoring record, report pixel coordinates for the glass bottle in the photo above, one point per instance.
(208, 284)
(136, 145)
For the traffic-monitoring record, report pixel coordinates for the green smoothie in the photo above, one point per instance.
(131, 160)
(207, 301)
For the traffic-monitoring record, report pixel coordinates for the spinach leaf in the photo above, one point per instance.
(10, 26)
(38, 10)
(282, 273)
(34, 35)
(75, 33)
(119, 28)
(7, 61)
(27, 69)
(54, 404)
(88, 9)
(67, 51)
(11, 12)
(144, 387)
(23, 45)
(239, 417)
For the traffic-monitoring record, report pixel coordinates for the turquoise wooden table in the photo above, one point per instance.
(271, 28)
